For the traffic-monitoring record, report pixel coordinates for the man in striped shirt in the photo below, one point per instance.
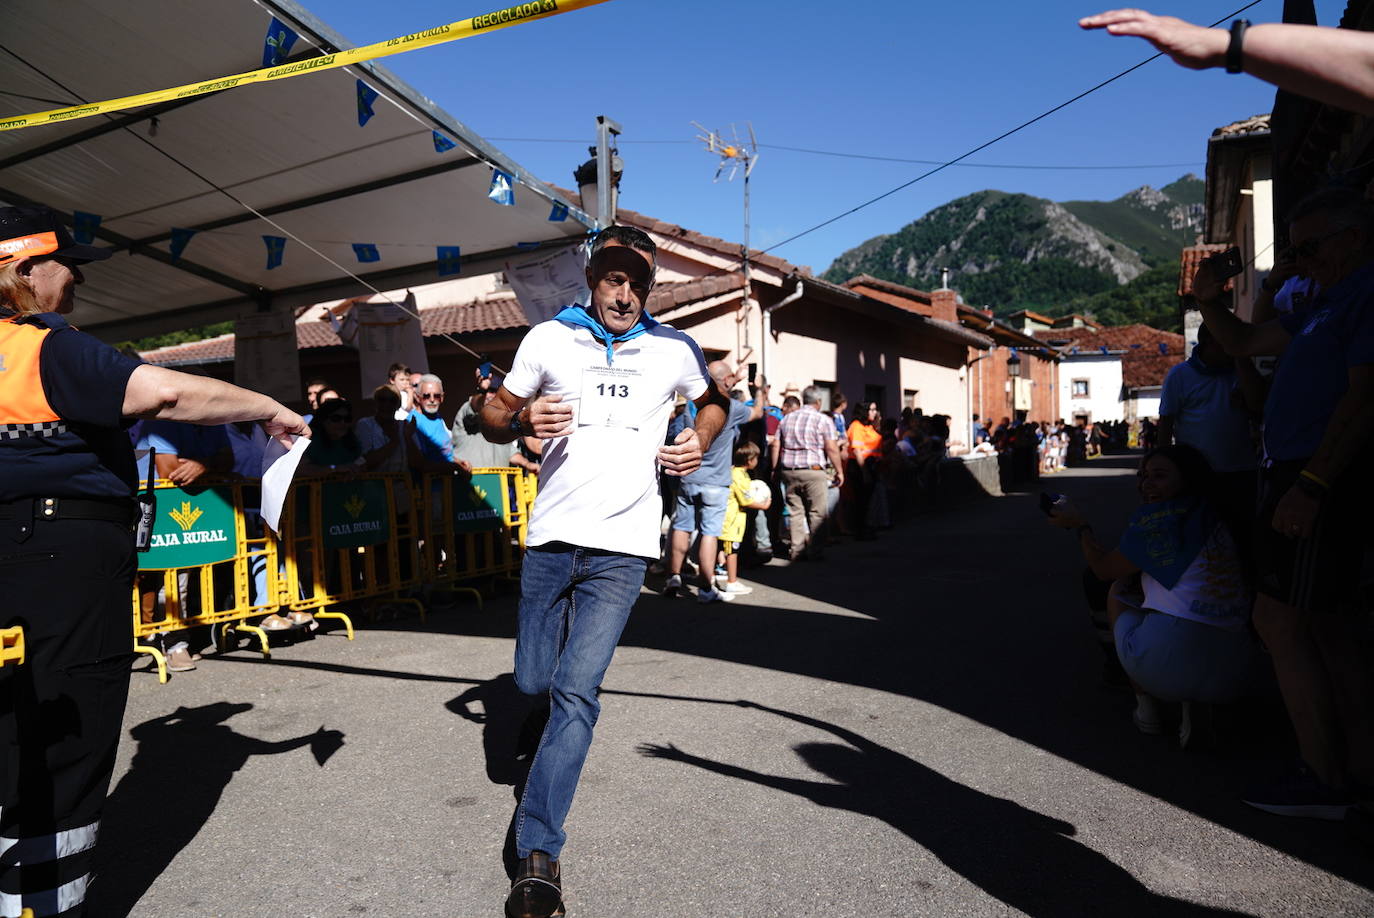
(805, 445)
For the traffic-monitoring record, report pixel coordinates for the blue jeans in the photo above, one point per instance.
(574, 603)
(701, 508)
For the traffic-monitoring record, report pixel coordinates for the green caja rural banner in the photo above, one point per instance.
(354, 513)
(191, 529)
(477, 505)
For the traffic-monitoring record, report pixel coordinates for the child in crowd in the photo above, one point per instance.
(745, 461)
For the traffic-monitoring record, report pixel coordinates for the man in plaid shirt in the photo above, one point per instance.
(804, 446)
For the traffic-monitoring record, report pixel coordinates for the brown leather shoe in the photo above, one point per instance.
(537, 891)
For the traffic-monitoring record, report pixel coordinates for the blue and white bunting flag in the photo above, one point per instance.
(1163, 347)
(450, 260)
(502, 189)
(277, 46)
(276, 245)
(441, 143)
(177, 244)
(559, 213)
(366, 252)
(366, 96)
(84, 226)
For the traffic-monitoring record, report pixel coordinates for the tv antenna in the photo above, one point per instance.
(735, 155)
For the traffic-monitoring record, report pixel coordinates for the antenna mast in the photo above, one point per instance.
(736, 156)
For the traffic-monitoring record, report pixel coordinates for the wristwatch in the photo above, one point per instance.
(517, 426)
(1235, 49)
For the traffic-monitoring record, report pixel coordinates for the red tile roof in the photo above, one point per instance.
(902, 290)
(492, 313)
(1255, 124)
(1193, 256)
(1138, 346)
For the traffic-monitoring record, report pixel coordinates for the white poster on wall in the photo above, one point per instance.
(388, 334)
(544, 284)
(265, 356)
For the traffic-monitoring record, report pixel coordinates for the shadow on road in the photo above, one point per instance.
(184, 762)
(1025, 859)
(978, 609)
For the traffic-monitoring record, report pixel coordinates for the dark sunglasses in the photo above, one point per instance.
(431, 396)
(1312, 246)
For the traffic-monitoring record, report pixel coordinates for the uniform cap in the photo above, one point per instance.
(39, 231)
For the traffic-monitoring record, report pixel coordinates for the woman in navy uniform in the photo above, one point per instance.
(67, 558)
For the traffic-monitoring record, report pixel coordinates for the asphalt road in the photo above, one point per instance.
(915, 727)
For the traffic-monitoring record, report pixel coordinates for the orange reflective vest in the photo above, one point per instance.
(24, 409)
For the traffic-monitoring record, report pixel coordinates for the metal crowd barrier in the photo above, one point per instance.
(11, 645)
(368, 539)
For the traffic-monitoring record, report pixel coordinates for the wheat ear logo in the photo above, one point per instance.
(479, 493)
(186, 517)
(354, 505)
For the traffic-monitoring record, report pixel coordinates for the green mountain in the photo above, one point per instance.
(1015, 251)
(1150, 299)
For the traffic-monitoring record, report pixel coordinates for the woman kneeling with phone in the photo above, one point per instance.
(1187, 638)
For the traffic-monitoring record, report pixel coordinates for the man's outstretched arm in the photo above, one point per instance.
(1335, 66)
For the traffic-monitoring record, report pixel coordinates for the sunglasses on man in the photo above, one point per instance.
(1310, 247)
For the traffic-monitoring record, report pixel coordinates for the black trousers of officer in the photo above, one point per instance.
(68, 582)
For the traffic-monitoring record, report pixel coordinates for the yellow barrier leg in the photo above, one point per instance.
(348, 622)
(262, 636)
(158, 658)
(408, 601)
(476, 594)
(11, 645)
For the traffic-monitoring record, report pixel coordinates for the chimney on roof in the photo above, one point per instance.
(943, 305)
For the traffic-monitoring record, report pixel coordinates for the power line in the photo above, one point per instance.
(869, 156)
(983, 146)
(935, 162)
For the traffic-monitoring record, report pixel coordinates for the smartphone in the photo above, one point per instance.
(1228, 263)
(484, 369)
(1048, 500)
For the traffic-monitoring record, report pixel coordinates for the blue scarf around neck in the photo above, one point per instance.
(1163, 539)
(581, 315)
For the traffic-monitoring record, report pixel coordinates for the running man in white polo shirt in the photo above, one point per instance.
(603, 379)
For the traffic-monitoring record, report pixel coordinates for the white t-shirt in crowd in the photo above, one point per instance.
(598, 487)
(1212, 590)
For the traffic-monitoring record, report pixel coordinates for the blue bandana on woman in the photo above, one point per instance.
(581, 315)
(1164, 538)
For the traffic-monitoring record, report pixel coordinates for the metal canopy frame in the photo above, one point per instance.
(185, 177)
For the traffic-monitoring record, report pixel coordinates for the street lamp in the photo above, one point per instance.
(598, 179)
(1013, 380)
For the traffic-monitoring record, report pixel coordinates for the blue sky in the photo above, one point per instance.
(915, 80)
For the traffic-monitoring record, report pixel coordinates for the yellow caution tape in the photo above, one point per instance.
(477, 25)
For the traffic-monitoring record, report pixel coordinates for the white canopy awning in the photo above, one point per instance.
(291, 149)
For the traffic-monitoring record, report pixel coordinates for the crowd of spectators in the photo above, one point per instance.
(1244, 562)
(782, 482)
(390, 438)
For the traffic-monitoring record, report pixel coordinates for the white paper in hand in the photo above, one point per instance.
(278, 468)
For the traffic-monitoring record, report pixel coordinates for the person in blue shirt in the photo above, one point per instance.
(1208, 402)
(185, 452)
(1314, 504)
(432, 431)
